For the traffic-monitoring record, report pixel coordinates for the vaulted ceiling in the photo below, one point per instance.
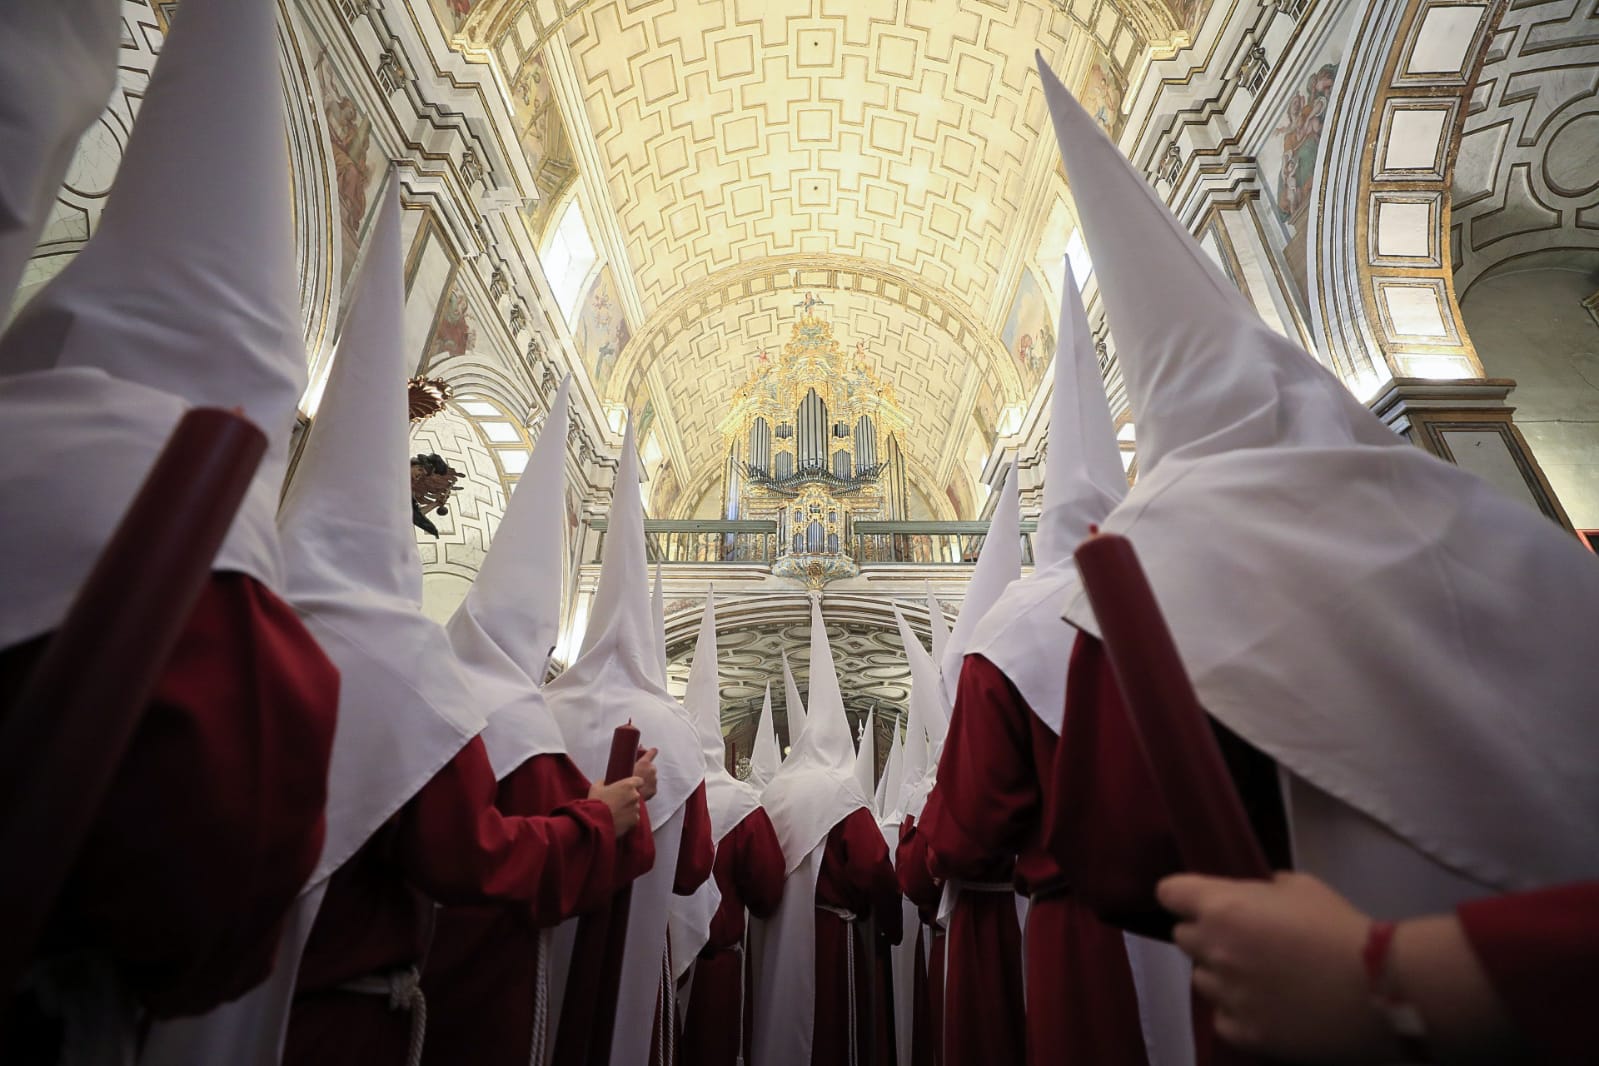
(893, 157)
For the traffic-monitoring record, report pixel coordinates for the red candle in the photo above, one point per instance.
(1213, 832)
(624, 753)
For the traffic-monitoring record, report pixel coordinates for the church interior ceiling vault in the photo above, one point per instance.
(731, 155)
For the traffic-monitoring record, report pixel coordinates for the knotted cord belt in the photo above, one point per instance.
(541, 999)
(666, 1016)
(404, 989)
(742, 948)
(849, 918)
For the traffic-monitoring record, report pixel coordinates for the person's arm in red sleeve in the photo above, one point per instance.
(457, 847)
(758, 869)
(991, 797)
(1540, 952)
(697, 853)
(867, 865)
(910, 864)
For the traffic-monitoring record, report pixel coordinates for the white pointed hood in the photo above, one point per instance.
(816, 788)
(893, 776)
(186, 295)
(729, 799)
(938, 628)
(616, 677)
(765, 758)
(58, 65)
(353, 573)
(1022, 634)
(866, 756)
(1383, 624)
(998, 564)
(658, 610)
(793, 706)
(926, 727)
(505, 628)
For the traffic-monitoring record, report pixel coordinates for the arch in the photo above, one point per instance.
(654, 340)
(1382, 298)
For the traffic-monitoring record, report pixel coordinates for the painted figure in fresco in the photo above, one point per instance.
(453, 335)
(350, 134)
(1301, 135)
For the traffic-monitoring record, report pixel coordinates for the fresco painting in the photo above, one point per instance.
(357, 160)
(601, 331)
(1029, 332)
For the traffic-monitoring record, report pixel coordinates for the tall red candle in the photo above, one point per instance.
(1213, 832)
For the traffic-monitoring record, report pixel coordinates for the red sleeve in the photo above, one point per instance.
(214, 817)
(992, 799)
(457, 847)
(866, 864)
(697, 853)
(910, 864)
(758, 871)
(1540, 950)
(1107, 825)
(543, 786)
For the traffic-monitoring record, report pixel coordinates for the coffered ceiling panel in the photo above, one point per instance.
(898, 133)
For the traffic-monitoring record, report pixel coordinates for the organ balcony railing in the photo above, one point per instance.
(870, 542)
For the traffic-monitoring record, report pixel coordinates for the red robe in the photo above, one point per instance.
(696, 857)
(1081, 1003)
(481, 977)
(1115, 863)
(749, 873)
(916, 881)
(1540, 950)
(448, 844)
(855, 877)
(214, 818)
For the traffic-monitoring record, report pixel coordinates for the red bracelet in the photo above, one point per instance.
(1404, 1020)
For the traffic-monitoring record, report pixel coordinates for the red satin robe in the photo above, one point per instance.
(481, 977)
(855, 877)
(696, 857)
(1081, 1005)
(927, 992)
(448, 844)
(1540, 950)
(214, 818)
(749, 874)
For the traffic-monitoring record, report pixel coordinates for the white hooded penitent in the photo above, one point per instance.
(926, 726)
(1023, 634)
(1411, 645)
(504, 629)
(815, 791)
(160, 311)
(616, 679)
(765, 759)
(998, 564)
(866, 756)
(793, 706)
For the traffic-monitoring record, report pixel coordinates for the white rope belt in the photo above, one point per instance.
(541, 1000)
(849, 919)
(666, 1011)
(404, 989)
